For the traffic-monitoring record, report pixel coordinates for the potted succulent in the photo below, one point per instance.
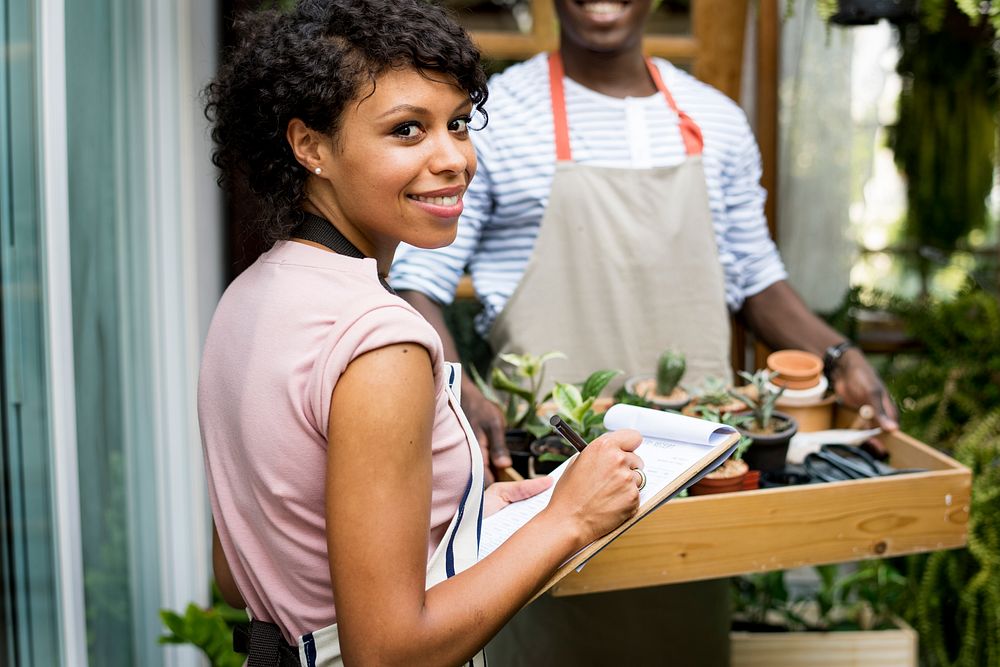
(576, 405)
(770, 430)
(733, 473)
(712, 393)
(517, 392)
(662, 390)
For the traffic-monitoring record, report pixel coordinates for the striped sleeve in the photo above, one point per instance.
(756, 264)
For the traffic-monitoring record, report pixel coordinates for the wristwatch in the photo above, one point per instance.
(831, 358)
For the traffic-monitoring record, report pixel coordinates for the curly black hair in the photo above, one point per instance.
(309, 63)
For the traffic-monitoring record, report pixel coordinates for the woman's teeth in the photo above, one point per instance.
(437, 201)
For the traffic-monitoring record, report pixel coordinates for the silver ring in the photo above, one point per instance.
(642, 478)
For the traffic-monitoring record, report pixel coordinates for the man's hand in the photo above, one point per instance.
(856, 384)
(488, 426)
(501, 494)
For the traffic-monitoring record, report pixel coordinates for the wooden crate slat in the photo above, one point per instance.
(715, 536)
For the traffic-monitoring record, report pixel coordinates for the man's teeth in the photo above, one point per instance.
(438, 201)
(603, 7)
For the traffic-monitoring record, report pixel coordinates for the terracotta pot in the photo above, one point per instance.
(796, 369)
(645, 386)
(811, 418)
(751, 481)
(768, 451)
(714, 482)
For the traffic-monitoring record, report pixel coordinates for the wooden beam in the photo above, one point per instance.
(719, 27)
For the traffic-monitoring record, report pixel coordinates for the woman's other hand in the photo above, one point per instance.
(501, 494)
(600, 489)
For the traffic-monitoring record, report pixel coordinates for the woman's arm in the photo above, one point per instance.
(379, 482)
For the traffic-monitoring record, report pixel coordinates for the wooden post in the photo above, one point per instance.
(719, 27)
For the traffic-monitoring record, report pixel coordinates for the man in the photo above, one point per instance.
(617, 210)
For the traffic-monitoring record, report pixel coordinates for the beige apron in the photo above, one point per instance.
(458, 550)
(625, 265)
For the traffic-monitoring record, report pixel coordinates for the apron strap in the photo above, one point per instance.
(563, 153)
(694, 142)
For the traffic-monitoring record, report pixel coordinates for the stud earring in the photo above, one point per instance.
(317, 171)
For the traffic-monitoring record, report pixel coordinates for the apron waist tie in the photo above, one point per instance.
(264, 646)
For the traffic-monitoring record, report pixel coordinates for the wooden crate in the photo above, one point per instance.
(706, 537)
(876, 648)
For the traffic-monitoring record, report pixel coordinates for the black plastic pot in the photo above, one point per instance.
(768, 452)
(550, 444)
(867, 12)
(519, 445)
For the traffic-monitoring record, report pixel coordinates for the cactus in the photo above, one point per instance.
(669, 371)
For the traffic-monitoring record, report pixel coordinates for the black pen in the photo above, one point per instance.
(571, 436)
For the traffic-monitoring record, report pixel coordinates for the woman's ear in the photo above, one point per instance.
(307, 145)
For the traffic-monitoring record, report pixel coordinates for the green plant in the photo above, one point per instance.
(713, 391)
(958, 599)
(761, 404)
(669, 371)
(862, 599)
(955, 378)
(737, 421)
(520, 390)
(627, 397)
(576, 403)
(210, 629)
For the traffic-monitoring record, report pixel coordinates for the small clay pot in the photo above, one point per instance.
(645, 386)
(769, 450)
(550, 444)
(811, 418)
(727, 478)
(796, 369)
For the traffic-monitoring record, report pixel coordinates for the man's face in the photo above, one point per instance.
(604, 26)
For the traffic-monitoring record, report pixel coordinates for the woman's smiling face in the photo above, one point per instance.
(400, 164)
(603, 25)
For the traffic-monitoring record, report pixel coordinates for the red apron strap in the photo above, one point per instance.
(561, 125)
(690, 132)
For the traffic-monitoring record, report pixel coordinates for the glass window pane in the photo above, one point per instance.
(30, 634)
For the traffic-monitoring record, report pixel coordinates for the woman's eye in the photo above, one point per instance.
(460, 125)
(408, 130)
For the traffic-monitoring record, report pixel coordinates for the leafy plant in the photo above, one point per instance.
(519, 390)
(576, 403)
(210, 629)
(669, 370)
(737, 421)
(627, 397)
(761, 404)
(958, 600)
(863, 599)
(713, 392)
(955, 378)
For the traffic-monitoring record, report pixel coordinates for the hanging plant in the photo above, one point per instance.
(944, 140)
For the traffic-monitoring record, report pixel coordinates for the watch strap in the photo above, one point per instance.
(832, 356)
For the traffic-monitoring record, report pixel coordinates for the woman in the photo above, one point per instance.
(345, 483)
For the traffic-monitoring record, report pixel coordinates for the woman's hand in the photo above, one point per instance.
(600, 489)
(856, 384)
(501, 494)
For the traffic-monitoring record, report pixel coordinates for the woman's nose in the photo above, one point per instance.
(451, 155)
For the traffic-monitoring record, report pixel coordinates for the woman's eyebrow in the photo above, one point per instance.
(404, 107)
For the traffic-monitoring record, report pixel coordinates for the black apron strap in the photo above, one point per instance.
(264, 646)
(319, 230)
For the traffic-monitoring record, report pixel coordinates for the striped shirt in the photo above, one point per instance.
(516, 151)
